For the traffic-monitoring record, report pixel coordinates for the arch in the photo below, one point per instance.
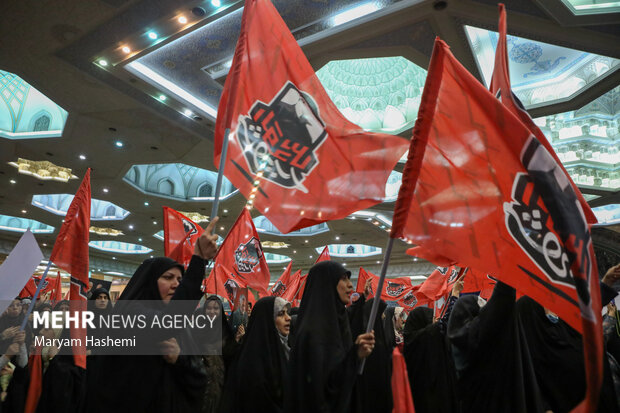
(110, 211)
(41, 121)
(350, 249)
(206, 190)
(165, 187)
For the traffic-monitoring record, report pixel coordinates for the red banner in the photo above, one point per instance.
(71, 254)
(180, 235)
(288, 139)
(399, 290)
(480, 189)
(288, 284)
(242, 253)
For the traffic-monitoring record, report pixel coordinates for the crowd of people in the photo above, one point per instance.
(504, 355)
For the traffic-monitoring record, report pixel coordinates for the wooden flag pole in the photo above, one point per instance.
(36, 295)
(220, 175)
(375, 303)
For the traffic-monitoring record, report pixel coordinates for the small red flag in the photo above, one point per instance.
(288, 284)
(500, 87)
(57, 291)
(180, 235)
(439, 282)
(288, 138)
(35, 386)
(401, 389)
(223, 281)
(71, 254)
(394, 289)
(242, 253)
(480, 189)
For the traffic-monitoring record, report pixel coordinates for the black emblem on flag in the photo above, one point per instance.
(443, 270)
(410, 300)
(278, 289)
(281, 137)
(453, 275)
(394, 289)
(190, 229)
(231, 287)
(248, 255)
(542, 193)
(38, 281)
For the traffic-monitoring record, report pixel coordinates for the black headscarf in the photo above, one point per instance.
(388, 327)
(215, 343)
(7, 321)
(494, 368)
(374, 386)
(93, 298)
(429, 364)
(557, 353)
(256, 378)
(143, 283)
(323, 358)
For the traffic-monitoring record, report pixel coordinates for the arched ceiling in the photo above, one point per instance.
(134, 100)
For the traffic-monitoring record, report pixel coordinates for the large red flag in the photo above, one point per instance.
(71, 254)
(35, 385)
(481, 189)
(323, 256)
(500, 87)
(180, 235)
(242, 252)
(288, 284)
(288, 138)
(394, 289)
(401, 389)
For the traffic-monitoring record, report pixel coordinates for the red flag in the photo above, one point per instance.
(57, 291)
(323, 256)
(401, 389)
(35, 386)
(31, 287)
(477, 282)
(394, 289)
(242, 252)
(287, 285)
(287, 138)
(481, 189)
(223, 281)
(439, 282)
(500, 87)
(71, 254)
(180, 235)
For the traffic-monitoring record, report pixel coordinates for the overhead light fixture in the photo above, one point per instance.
(146, 203)
(24, 211)
(140, 239)
(226, 211)
(13, 181)
(126, 49)
(105, 190)
(216, 3)
(354, 13)
(103, 62)
(161, 97)
(195, 216)
(44, 170)
(182, 19)
(154, 222)
(106, 231)
(118, 144)
(152, 35)
(188, 112)
(337, 238)
(275, 245)
(83, 157)
(131, 227)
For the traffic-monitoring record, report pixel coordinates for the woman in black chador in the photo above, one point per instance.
(324, 359)
(256, 379)
(169, 382)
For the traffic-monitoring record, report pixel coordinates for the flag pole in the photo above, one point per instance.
(220, 175)
(36, 295)
(375, 303)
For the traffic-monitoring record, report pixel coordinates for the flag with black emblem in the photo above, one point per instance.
(288, 142)
(180, 235)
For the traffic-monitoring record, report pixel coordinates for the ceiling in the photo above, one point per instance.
(136, 85)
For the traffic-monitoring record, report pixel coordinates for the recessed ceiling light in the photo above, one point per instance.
(126, 49)
(103, 62)
(146, 203)
(131, 227)
(187, 112)
(140, 239)
(105, 190)
(337, 238)
(306, 241)
(119, 144)
(24, 211)
(161, 97)
(113, 258)
(378, 262)
(44, 244)
(182, 19)
(82, 157)
(309, 256)
(226, 211)
(154, 222)
(13, 181)
(151, 256)
(152, 35)
(216, 3)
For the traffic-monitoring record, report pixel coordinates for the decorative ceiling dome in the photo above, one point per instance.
(17, 224)
(25, 112)
(379, 94)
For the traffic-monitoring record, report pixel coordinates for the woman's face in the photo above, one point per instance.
(168, 283)
(399, 320)
(14, 309)
(101, 302)
(283, 322)
(345, 289)
(212, 309)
